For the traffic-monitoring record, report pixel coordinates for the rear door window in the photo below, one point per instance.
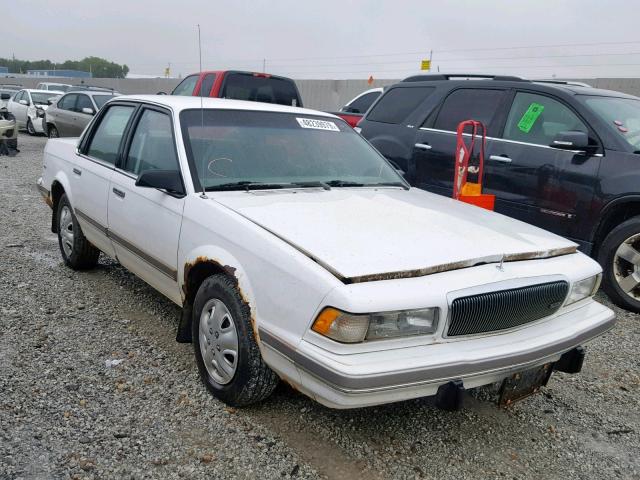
(83, 102)
(105, 143)
(469, 104)
(186, 86)
(260, 88)
(362, 104)
(68, 102)
(398, 103)
(207, 84)
(538, 119)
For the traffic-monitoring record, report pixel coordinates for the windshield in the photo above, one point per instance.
(42, 98)
(622, 114)
(102, 99)
(259, 88)
(238, 150)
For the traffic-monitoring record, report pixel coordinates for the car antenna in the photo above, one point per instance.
(204, 192)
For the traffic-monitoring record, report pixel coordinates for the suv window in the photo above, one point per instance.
(152, 147)
(207, 84)
(396, 105)
(537, 119)
(68, 102)
(186, 86)
(83, 102)
(469, 104)
(362, 104)
(107, 136)
(260, 88)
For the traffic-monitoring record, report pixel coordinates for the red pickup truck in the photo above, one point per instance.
(252, 86)
(256, 87)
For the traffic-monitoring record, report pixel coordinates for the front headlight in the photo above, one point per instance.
(354, 328)
(583, 289)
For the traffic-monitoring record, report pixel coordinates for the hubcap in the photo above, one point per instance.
(626, 266)
(53, 132)
(30, 127)
(66, 230)
(218, 341)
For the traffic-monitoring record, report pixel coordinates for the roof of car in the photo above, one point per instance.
(178, 103)
(94, 92)
(572, 88)
(35, 90)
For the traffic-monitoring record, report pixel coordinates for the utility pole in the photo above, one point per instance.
(264, 65)
(430, 59)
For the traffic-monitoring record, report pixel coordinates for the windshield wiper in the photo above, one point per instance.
(346, 183)
(248, 185)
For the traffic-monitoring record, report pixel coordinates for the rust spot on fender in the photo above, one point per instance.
(188, 295)
(48, 201)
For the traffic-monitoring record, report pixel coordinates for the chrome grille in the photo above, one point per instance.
(495, 311)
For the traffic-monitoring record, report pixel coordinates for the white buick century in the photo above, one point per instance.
(299, 253)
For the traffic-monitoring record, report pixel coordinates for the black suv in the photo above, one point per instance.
(559, 155)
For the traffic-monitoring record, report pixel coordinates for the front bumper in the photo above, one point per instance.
(363, 379)
(8, 129)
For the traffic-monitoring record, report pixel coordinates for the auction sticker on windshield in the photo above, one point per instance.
(317, 124)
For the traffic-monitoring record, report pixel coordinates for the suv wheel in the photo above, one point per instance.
(52, 131)
(77, 252)
(226, 351)
(619, 257)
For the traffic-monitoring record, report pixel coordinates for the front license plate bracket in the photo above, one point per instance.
(523, 384)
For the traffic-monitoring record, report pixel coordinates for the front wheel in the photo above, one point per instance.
(619, 256)
(30, 129)
(227, 354)
(52, 131)
(77, 252)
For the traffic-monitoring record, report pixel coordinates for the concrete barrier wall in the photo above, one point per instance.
(319, 94)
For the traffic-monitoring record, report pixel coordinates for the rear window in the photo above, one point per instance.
(469, 104)
(255, 88)
(398, 103)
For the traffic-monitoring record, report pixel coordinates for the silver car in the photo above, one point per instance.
(72, 112)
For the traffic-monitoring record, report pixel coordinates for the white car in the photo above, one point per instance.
(56, 87)
(28, 106)
(362, 102)
(298, 252)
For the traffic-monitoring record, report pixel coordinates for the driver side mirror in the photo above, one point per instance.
(169, 180)
(23, 102)
(88, 111)
(571, 140)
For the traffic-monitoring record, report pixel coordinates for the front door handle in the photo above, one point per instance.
(119, 193)
(77, 171)
(500, 158)
(423, 146)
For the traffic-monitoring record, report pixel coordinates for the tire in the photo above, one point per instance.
(246, 379)
(77, 252)
(13, 143)
(30, 130)
(52, 131)
(615, 268)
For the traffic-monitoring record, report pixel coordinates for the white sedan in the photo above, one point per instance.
(28, 106)
(297, 252)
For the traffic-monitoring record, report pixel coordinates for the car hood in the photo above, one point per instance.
(375, 234)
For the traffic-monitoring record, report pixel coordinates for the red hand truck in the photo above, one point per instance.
(464, 190)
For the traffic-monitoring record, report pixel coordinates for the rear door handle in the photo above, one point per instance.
(423, 146)
(77, 171)
(500, 158)
(119, 193)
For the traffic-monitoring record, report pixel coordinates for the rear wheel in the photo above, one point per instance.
(52, 131)
(30, 129)
(619, 257)
(226, 350)
(77, 252)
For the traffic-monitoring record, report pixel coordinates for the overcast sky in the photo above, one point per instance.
(335, 38)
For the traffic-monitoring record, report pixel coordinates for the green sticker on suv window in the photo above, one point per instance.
(530, 117)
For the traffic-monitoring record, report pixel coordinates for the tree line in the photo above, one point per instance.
(99, 67)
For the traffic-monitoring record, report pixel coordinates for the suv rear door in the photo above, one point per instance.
(432, 164)
(534, 182)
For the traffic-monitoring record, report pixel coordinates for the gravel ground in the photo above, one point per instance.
(65, 414)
